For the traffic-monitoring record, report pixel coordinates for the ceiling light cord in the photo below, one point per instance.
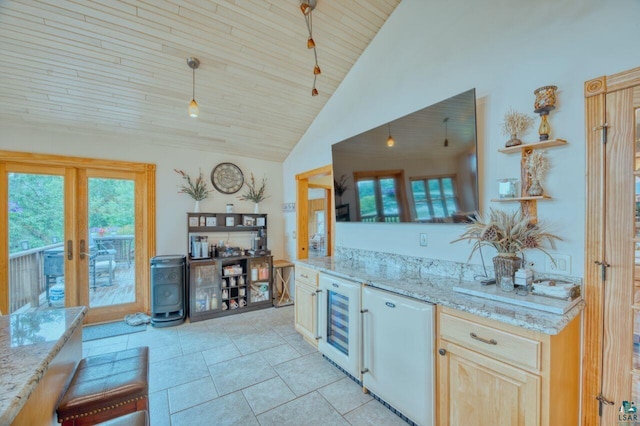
(307, 7)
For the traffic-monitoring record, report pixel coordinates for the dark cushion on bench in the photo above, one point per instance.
(104, 382)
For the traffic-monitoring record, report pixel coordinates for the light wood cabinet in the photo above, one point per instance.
(306, 306)
(493, 373)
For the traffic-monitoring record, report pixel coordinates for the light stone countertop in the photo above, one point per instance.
(438, 290)
(28, 344)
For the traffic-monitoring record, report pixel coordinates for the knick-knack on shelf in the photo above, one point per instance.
(515, 124)
(537, 164)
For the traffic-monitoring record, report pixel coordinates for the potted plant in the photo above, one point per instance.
(254, 192)
(509, 233)
(196, 189)
(340, 187)
(515, 124)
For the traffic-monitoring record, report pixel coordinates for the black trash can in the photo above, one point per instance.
(168, 286)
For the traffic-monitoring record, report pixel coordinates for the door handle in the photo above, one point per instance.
(83, 249)
(315, 294)
(364, 369)
(69, 249)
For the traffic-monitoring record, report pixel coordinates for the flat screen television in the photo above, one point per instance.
(420, 168)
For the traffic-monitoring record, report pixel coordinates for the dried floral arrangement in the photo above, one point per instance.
(537, 164)
(516, 123)
(507, 232)
(255, 193)
(195, 189)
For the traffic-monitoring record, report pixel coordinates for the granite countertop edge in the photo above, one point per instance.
(438, 290)
(9, 413)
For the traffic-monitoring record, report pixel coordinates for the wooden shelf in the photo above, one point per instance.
(533, 145)
(505, 200)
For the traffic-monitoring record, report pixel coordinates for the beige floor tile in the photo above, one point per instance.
(221, 353)
(373, 414)
(308, 373)
(239, 373)
(279, 354)
(257, 341)
(267, 395)
(228, 410)
(191, 394)
(183, 369)
(163, 353)
(203, 340)
(159, 409)
(345, 395)
(299, 344)
(309, 410)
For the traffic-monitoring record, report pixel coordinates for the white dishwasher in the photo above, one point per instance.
(398, 353)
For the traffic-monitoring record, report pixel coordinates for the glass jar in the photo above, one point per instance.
(508, 188)
(507, 284)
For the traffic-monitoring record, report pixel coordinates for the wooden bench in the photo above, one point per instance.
(106, 386)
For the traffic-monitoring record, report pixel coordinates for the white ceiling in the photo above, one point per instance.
(119, 66)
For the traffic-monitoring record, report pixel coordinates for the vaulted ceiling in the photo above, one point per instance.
(120, 67)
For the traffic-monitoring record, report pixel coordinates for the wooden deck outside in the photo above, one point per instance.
(121, 291)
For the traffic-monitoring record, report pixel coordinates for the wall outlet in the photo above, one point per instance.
(423, 240)
(562, 265)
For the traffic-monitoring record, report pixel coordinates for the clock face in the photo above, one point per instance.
(227, 178)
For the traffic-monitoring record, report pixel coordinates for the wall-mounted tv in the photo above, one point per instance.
(427, 173)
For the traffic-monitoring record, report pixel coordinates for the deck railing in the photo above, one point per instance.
(26, 277)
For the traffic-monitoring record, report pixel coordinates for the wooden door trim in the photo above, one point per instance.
(145, 178)
(595, 92)
(302, 209)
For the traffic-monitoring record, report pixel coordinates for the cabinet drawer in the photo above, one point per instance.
(498, 344)
(306, 275)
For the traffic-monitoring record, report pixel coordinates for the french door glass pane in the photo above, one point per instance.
(367, 195)
(419, 192)
(36, 234)
(389, 200)
(111, 242)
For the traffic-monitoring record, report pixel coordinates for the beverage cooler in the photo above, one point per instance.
(205, 296)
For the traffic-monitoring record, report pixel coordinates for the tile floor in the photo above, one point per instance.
(247, 369)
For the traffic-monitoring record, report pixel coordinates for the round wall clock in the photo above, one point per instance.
(227, 178)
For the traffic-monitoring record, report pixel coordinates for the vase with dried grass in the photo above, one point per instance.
(515, 124)
(509, 233)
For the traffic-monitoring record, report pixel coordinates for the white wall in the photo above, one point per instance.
(171, 206)
(428, 51)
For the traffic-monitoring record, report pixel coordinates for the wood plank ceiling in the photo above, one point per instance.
(119, 66)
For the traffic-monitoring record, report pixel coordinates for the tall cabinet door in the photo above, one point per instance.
(611, 381)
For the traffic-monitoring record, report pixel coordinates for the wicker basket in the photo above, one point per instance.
(506, 265)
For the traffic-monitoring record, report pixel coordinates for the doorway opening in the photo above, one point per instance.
(315, 219)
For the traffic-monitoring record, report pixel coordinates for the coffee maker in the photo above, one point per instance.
(262, 239)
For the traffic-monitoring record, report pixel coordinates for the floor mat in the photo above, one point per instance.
(100, 331)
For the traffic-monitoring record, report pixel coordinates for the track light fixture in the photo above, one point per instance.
(194, 110)
(446, 140)
(307, 7)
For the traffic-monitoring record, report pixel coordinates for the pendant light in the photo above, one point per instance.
(307, 7)
(446, 140)
(194, 110)
(390, 141)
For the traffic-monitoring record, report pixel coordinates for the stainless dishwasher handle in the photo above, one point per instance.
(318, 336)
(364, 369)
(488, 342)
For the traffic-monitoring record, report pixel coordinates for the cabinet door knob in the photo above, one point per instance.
(442, 351)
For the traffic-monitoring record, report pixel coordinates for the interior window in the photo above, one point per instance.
(378, 198)
(434, 197)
